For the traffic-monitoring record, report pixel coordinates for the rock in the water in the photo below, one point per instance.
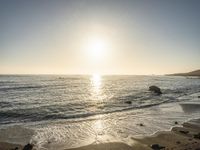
(155, 89)
(175, 122)
(128, 102)
(28, 147)
(157, 147)
(141, 124)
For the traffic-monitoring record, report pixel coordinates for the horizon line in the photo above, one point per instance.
(82, 74)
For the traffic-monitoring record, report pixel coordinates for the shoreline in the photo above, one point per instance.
(173, 138)
(186, 136)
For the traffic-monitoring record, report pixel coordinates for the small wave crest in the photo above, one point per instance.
(20, 88)
(10, 117)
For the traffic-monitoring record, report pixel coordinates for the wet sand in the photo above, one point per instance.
(185, 137)
(9, 146)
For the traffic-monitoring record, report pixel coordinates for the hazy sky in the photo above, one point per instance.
(99, 36)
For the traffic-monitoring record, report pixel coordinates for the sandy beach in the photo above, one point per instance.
(184, 137)
(100, 75)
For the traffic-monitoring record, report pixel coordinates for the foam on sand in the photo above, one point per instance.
(185, 137)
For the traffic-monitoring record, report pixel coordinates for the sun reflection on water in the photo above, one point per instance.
(96, 81)
(99, 132)
(96, 93)
(98, 97)
(96, 85)
(98, 125)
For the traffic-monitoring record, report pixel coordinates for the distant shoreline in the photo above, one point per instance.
(195, 73)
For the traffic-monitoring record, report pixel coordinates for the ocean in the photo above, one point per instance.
(64, 111)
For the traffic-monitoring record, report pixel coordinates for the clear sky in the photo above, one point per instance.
(99, 36)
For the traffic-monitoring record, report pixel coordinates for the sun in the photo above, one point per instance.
(96, 48)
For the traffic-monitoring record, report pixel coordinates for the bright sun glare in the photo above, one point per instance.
(96, 47)
(96, 80)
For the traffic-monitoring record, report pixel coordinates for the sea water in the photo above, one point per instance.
(62, 111)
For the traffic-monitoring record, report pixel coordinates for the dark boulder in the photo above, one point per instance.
(157, 147)
(155, 89)
(28, 147)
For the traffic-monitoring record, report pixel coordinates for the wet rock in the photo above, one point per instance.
(155, 89)
(28, 147)
(128, 102)
(175, 122)
(157, 147)
(178, 142)
(197, 136)
(198, 96)
(141, 124)
(184, 132)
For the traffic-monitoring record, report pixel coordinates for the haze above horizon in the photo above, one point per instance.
(99, 37)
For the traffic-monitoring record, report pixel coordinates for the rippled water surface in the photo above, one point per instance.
(64, 110)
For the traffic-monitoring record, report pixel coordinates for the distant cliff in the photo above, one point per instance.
(192, 73)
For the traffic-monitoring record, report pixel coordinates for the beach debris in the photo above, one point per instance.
(178, 142)
(141, 124)
(28, 147)
(155, 89)
(184, 132)
(48, 142)
(157, 147)
(128, 102)
(175, 122)
(198, 96)
(197, 136)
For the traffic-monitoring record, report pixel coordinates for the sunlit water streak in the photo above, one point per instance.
(96, 86)
(69, 111)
